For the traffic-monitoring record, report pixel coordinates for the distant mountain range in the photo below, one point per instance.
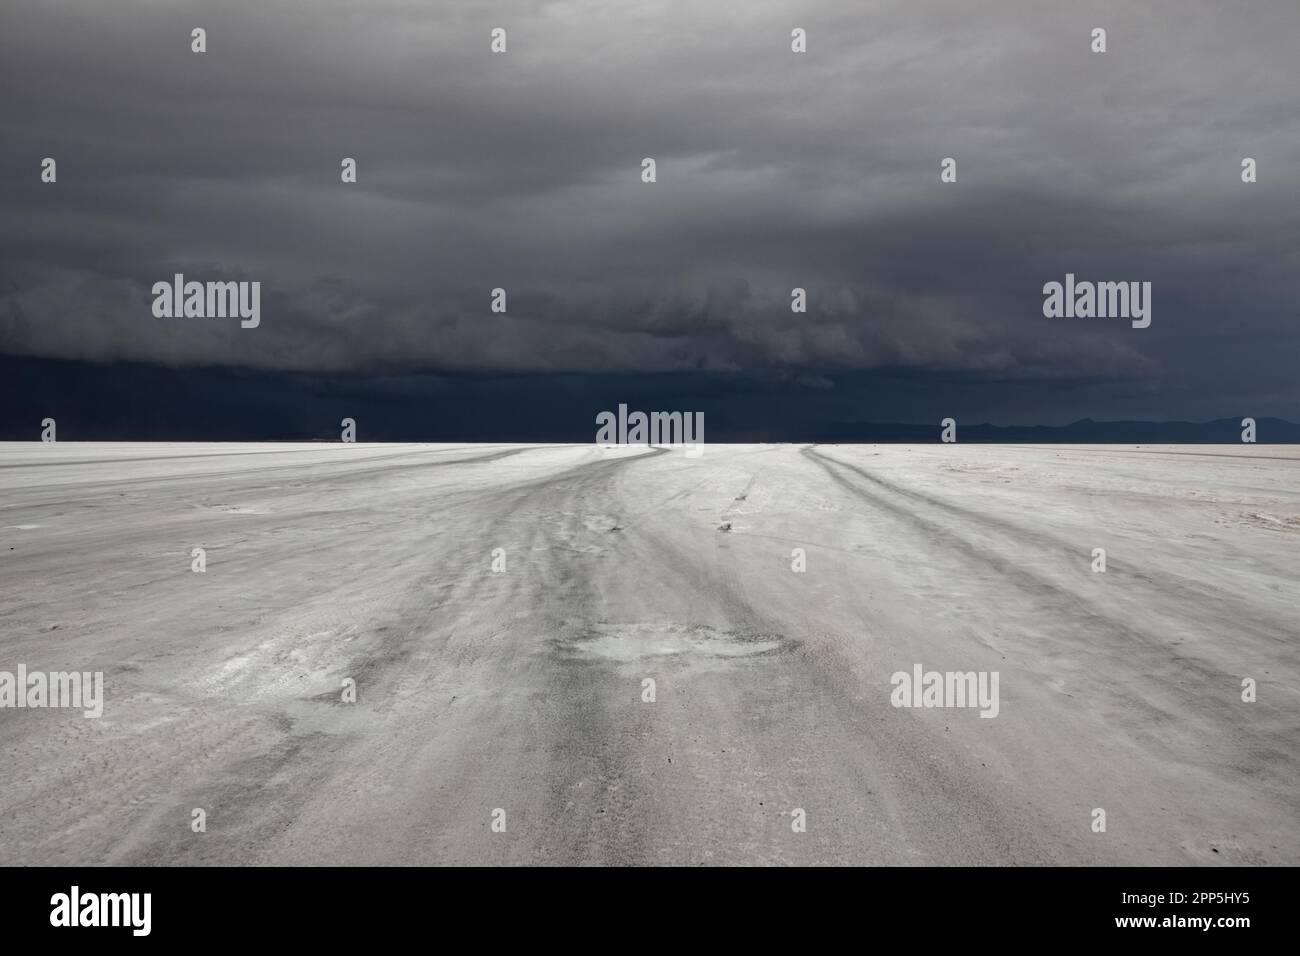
(132, 402)
(1224, 431)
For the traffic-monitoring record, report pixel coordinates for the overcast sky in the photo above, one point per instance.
(775, 170)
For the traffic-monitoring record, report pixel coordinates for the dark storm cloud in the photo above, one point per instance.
(775, 171)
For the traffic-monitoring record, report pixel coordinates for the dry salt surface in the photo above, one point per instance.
(523, 690)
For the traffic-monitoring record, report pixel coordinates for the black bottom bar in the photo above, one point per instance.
(337, 906)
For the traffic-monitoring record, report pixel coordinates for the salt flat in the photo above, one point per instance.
(523, 689)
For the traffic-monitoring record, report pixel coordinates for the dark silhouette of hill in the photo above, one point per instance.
(1085, 431)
